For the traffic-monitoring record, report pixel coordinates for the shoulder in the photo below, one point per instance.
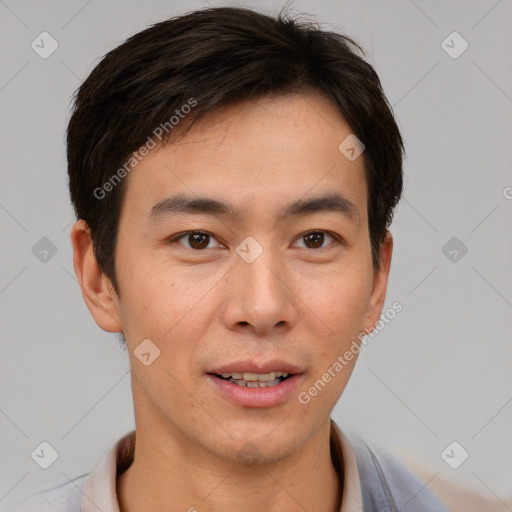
(387, 484)
(64, 498)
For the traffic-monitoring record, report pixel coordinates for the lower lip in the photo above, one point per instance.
(257, 397)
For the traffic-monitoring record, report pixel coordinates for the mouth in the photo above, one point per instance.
(255, 380)
(248, 384)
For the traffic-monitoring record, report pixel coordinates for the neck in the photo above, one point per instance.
(169, 474)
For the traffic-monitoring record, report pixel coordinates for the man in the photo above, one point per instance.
(234, 177)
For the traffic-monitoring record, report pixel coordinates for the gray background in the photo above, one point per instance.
(439, 372)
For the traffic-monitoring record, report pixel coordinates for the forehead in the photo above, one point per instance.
(262, 152)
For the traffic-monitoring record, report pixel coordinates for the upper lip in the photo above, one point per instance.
(248, 366)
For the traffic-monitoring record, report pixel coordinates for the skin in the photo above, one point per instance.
(208, 307)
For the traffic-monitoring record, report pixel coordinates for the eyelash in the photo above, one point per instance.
(336, 238)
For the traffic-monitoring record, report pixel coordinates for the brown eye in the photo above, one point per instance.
(315, 239)
(196, 240)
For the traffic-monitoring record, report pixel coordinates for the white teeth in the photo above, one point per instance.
(246, 384)
(261, 377)
(254, 380)
(255, 377)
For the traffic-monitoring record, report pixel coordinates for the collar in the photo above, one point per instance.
(99, 490)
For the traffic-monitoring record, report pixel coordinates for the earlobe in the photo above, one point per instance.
(380, 282)
(97, 290)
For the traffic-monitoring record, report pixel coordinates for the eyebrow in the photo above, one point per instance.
(183, 204)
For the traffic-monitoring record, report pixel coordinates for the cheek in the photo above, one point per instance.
(164, 304)
(338, 308)
(339, 301)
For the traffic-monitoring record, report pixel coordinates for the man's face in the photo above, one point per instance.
(221, 299)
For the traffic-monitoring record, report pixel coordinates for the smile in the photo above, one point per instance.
(255, 380)
(256, 389)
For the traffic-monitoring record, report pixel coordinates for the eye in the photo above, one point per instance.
(315, 239)
(197, 240)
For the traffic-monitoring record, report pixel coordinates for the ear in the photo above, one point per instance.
(97, 290)
(380, 283)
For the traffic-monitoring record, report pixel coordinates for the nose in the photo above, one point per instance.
(259, 296)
